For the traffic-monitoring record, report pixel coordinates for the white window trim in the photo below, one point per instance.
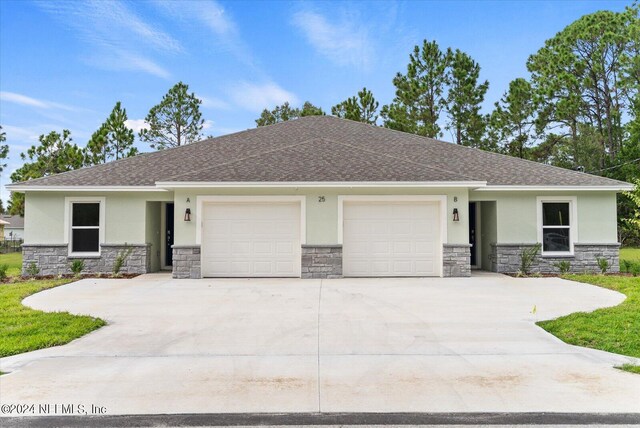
(573, 223)
(67, 223)
(201, 200)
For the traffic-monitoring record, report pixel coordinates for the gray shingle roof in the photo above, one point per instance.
(322, 149)
(15, 221)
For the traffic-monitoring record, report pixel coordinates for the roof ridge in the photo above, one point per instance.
(242, 158)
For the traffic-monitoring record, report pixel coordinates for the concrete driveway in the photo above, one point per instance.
(349, 345)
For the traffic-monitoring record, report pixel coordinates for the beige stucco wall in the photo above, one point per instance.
(322, 217)
(125, 214)
(128, 220)
(517, 215)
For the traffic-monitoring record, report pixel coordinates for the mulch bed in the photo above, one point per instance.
(71, 276)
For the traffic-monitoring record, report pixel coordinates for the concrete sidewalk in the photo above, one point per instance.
(348, 345)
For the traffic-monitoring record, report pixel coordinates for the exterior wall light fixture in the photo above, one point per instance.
(187, 214)
(456, 217)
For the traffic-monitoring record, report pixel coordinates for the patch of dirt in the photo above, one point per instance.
(500, 381)
(591, 383)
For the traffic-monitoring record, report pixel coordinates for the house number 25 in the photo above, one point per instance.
(320, 198)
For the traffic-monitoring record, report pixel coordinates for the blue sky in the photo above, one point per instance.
(65, 64)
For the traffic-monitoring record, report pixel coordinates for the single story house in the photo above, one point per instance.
(319, 197)
(15, 229)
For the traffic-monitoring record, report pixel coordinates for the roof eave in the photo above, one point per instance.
(21, 188)
(311, 184)
(624, 187)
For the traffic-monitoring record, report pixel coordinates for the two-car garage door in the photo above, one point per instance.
(263, 239)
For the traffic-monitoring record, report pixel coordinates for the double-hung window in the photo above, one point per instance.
(85, 226)
(556, 225)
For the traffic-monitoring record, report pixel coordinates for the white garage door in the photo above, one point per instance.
(392, 239)
(251, 240)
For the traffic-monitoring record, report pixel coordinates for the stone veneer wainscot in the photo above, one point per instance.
(505, 258)
(54, 259)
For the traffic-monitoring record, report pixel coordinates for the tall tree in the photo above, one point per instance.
(174, 122)
(309, 109)
(113, 140)
(4, 150)
(419, 96)
(512, 122)
(55, 154)
(285, 112)
(577, 77)
(361, 108)
(464, 99)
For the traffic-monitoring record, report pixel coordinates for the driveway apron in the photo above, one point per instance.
(347, 345)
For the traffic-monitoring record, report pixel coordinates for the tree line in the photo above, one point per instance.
(579, 108)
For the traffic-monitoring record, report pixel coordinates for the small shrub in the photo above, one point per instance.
(120, 259)
(563, 266)
(32, 269)
(630, 266)
(603, 264)
(528, 257)
(77, 266)
(3, 272)
(625, 266)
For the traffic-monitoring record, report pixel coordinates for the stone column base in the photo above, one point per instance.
(456, 260)
(321, 261)
(186, 262)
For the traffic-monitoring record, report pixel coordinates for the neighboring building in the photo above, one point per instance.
(320, 197)
(14, 230)
(3, 224)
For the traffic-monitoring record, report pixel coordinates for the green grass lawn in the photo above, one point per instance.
(14, 261)
(630, 254)
(611, 329)
(23, 329)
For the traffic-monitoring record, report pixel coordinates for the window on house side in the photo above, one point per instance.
(556, 227)
(85, 227)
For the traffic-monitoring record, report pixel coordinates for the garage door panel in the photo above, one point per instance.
(284, 248)
(391, 239)
(381, 267)
(251, 239)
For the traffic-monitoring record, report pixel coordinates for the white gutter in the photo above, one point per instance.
(24, 188)
(292, 184)
(617, 188)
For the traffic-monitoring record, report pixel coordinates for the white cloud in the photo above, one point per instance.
(208, 124)
(344, 43)
(255, 97)
(12, 97)
(213, 16)
(214, 103)
(19, 133)
(119, 39)
(136, 125)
